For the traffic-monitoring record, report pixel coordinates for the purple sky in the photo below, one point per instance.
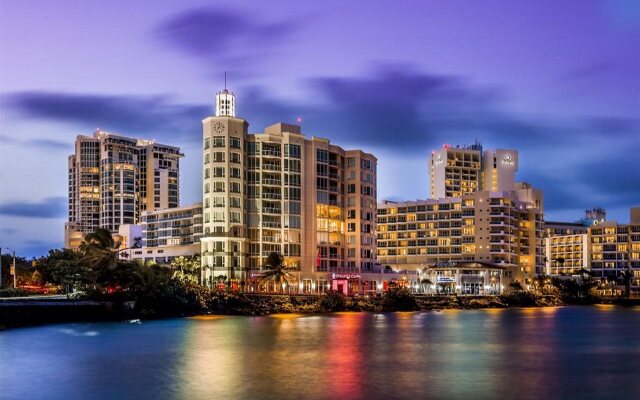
(559, 80)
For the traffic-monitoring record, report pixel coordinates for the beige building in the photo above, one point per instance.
(113, 179)
(169, 233)
(500, 228)
(278, 191)
(455, 171)
(615, 248)
(566, 254)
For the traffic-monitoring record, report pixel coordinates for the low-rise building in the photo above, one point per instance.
(497, 228)
(169, 233)
(567, 254)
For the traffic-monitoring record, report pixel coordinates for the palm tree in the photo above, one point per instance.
(425, 283)
(627, 279)
(276, 270)
(100, 250)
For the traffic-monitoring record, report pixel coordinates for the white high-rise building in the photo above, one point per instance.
(499, 169)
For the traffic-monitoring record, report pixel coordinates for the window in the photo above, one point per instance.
(234, 143)
(234, 187)
(351, 162)
(351, 188)
(218, 141)
(292, 150)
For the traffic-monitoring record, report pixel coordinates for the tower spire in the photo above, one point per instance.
(225, 101)
(225, 80)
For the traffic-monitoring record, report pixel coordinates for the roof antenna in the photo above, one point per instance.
(225, 80)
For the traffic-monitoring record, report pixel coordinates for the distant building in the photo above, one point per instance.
(615, 248)
(456, 171)
(113, 179)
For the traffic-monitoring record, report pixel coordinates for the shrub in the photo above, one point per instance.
(332, 301)
(399, 299)
(11, 292)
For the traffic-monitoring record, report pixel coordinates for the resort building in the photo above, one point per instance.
(615, 248)
(567, 254)
(499, 169)
(306, 199)
(502, 229)
(113, 179)
(169, 233)
(455, 171)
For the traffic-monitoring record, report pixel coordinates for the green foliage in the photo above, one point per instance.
(99, 250)
(399, 299)
(516, 286)
(276, 270)
(187, 268)
(520, 298)
(332, 301)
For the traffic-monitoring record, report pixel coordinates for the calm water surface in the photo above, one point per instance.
(568, 353)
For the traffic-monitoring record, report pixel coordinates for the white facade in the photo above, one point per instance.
(499, 169)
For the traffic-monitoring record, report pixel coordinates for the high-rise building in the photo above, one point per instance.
(112, 179)
(455, 171)
(499, 169)
(306, 199)
(493, 228)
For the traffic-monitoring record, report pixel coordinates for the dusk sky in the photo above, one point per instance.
(557, 80)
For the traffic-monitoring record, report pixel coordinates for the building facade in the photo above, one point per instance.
(306, 199)
(500, 228)
(566, 254)
(455, 171)
(615, 248)
(169, 233)
(113, 179)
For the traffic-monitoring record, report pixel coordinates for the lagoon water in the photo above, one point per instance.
(541, 353)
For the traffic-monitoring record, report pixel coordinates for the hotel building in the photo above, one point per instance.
(456, 171)
(113, 179)
(278, 191)
(503, 229)
(615, 248)
(169, 233)
(566, 254)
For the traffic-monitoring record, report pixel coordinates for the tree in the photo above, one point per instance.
(516, 286)
(276, 270)
(46, 265)
(425, 283)
(100, 250)
(71, 274)
(187, 268)
(627, 279)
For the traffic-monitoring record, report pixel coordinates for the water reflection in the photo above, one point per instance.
(577, 352)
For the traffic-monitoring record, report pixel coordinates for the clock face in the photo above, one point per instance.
(218, 127)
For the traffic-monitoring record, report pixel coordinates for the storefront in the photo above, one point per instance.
(348, 284)
(466, 278)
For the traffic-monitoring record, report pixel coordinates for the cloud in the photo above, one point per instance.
(41, 143)
(223, 38)
(50, 207)
(143, 116)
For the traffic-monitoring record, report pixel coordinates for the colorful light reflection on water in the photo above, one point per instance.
(578, 352)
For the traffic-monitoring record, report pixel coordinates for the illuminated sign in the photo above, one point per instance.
(446, 264)
(345, 276)
(507, 159)
(438, 159)
(445, 279)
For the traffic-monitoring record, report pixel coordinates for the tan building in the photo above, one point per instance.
(278, 191)
(169, 233)
(113, 179)
(499, 169)
(615, 248)
(566, 254)
(499, 228)
(455, 171)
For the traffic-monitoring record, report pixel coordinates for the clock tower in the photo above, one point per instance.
(223, 243)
